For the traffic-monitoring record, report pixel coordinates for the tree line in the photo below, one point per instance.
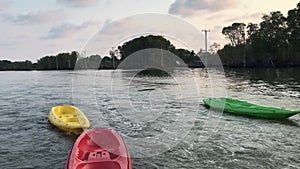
(274, 42)
(61, 61)
(74, 60)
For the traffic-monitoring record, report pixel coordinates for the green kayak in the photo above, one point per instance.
(248, 109)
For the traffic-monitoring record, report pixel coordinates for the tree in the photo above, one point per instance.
(273, 27)
(273, 35)
(252, 29)
(158, 42)
(115, 56)
(144, 42)
(293, 22)
(106, 63)
(235, 33)
(252, 33)
(214, 48)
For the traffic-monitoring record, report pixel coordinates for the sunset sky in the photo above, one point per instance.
(31, 29)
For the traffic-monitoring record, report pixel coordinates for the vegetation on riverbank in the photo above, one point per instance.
(62, 61)
(274, 42)
(67, 61)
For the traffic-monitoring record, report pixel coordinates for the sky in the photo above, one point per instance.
(31, 29)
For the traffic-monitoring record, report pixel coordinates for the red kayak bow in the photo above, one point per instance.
(99, 149)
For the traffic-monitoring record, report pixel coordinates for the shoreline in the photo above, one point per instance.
(225, 67)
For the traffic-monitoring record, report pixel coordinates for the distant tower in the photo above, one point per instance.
(205, 33)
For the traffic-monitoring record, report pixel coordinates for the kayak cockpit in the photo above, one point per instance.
(99, 148)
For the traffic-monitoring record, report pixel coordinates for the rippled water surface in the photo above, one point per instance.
(162, 119)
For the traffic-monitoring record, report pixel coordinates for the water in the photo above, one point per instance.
(208, 139)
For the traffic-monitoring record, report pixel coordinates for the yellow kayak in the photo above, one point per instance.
(68, 118)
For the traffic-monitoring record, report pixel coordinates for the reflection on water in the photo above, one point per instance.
(29, 141)
(279, 85)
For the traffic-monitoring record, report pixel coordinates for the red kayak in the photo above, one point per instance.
(99, 149)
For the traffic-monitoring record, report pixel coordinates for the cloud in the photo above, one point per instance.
(191, 7)
(246, 18)
(78, 3)
(67, 29)
(35, 17)
(216, 28)
(4, 6)
(5, 43)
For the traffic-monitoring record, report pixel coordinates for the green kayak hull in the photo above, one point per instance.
(240, 107)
